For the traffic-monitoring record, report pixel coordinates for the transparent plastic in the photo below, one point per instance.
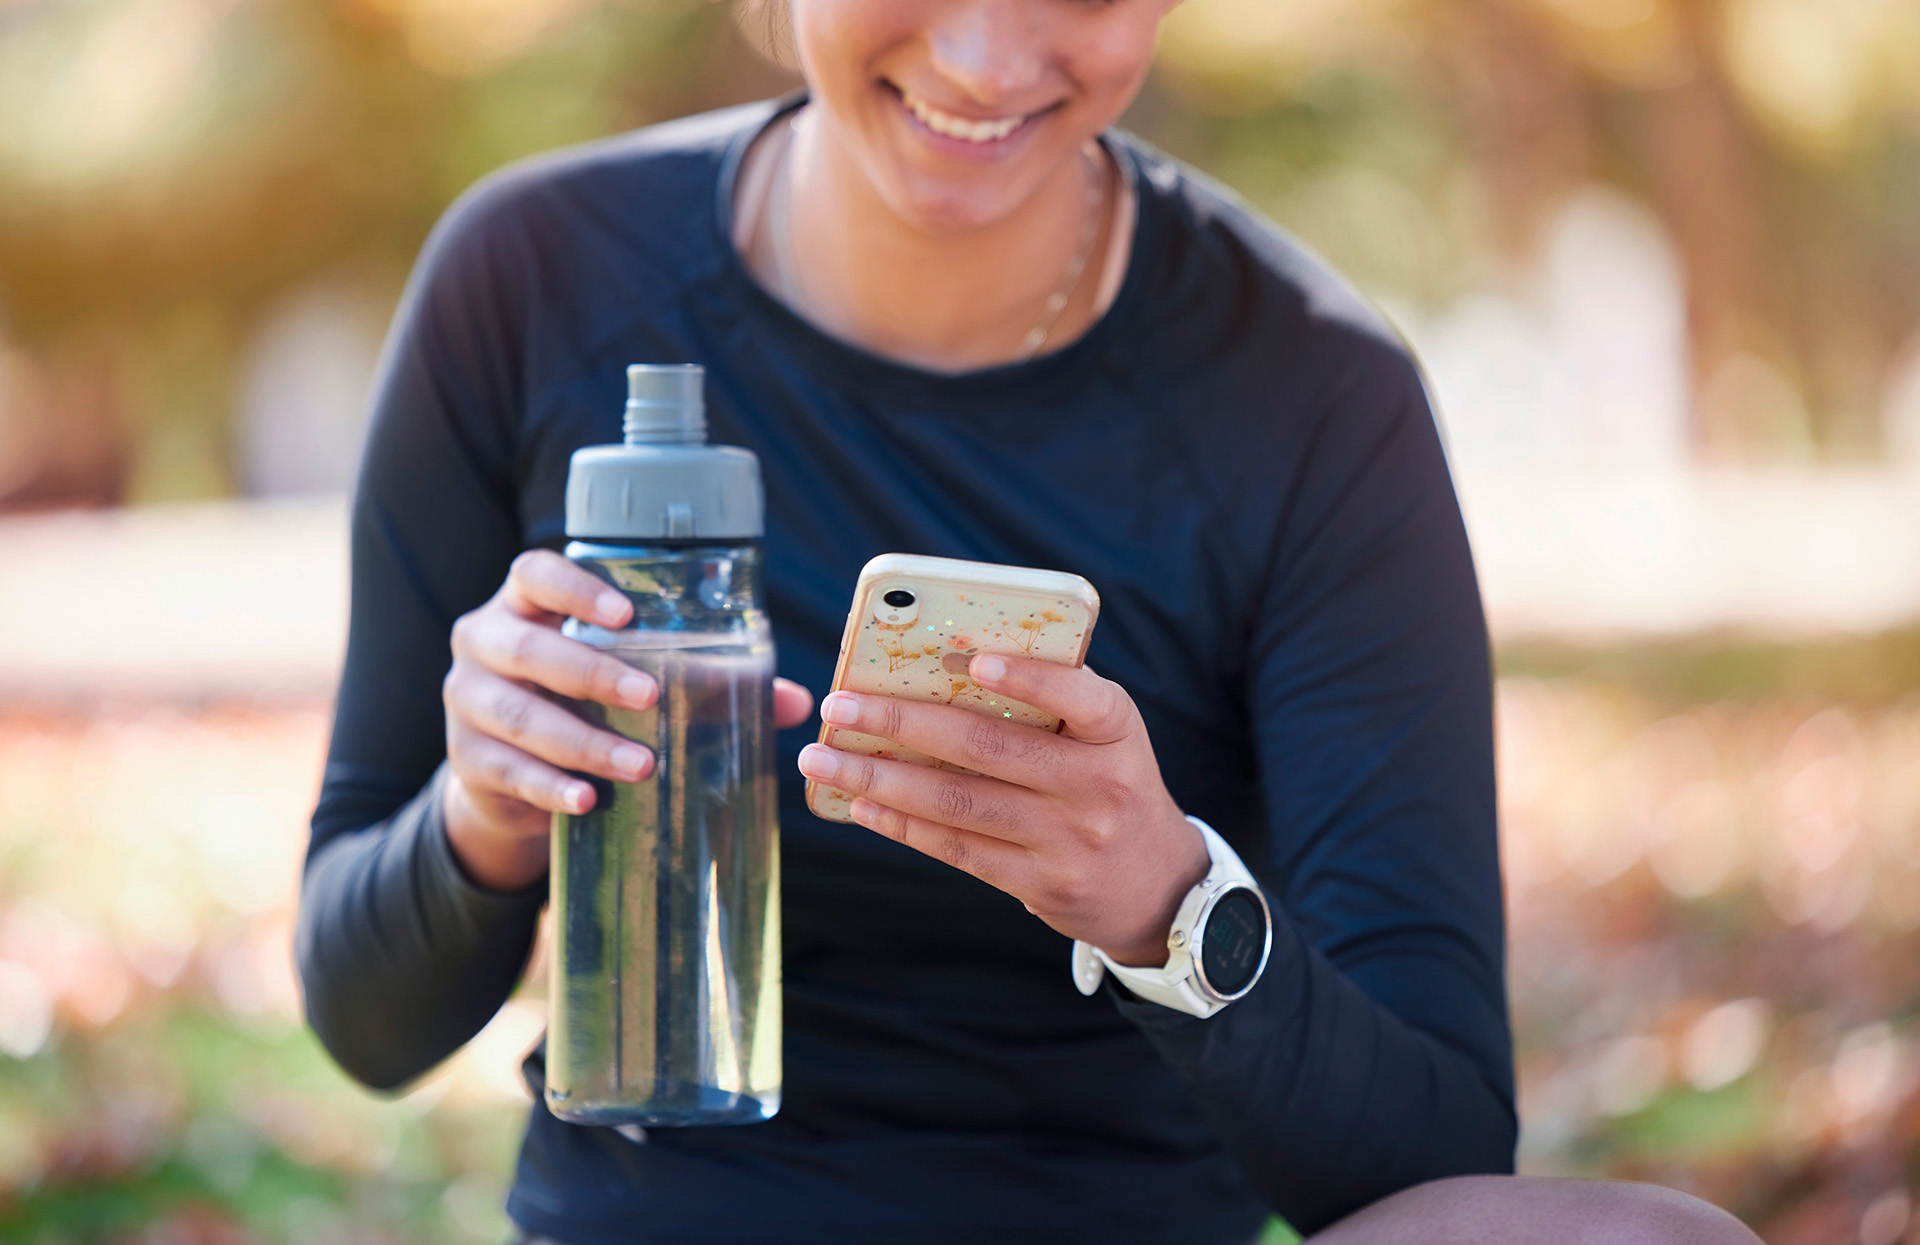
(666, 895)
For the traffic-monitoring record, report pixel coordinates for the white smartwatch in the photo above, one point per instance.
(1217, 947)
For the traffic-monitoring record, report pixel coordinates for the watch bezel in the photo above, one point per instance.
(1197, 940)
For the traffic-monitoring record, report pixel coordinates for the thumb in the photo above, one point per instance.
(792, 704)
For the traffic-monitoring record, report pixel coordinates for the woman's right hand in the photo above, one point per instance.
(509, 744)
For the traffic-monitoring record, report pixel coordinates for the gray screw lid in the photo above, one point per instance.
(666, 404)
(665, 482)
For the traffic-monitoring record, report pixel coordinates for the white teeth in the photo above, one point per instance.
(959, 127)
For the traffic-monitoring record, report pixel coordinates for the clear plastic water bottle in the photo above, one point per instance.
(665, 1006)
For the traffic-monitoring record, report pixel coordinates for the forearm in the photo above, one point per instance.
(1325, 1099)
(402, 956)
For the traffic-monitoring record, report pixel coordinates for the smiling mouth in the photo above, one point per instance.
(948, 125)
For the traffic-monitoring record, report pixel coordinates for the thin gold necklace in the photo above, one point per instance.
(1050, 311)
(1076, 267)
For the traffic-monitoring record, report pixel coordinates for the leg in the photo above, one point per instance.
(1516, 1210)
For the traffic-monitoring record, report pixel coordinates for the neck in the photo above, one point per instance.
(943, 301)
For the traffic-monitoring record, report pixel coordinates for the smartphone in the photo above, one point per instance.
(917, 622)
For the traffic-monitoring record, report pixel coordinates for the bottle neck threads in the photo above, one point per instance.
(666, 405)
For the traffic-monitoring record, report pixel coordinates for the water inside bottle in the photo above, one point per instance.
(667, 950)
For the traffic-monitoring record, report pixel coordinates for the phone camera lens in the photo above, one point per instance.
(899, 598)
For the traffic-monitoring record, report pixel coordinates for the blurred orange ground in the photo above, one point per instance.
(1713, 913)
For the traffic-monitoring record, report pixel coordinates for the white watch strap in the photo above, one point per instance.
(1152, 984)
(1171, 984)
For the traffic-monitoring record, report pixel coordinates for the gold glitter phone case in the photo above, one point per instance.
(915, 624)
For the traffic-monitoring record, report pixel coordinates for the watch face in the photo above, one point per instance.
(1233, 942)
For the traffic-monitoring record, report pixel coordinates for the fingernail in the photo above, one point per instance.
(612, 607)
(989, 669)
(840, 709)
(578, 796)
(818, 762)
(862, 811)
(629, 760)
(634, 689)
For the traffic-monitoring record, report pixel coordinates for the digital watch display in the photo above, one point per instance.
(1216, 949)
(1231, 942)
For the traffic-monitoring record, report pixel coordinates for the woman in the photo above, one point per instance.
(955, 315)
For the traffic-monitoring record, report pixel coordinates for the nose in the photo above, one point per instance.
(992, 49)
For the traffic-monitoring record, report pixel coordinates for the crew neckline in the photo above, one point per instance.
(840, 354)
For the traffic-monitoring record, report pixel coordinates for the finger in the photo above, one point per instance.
(792, 703)
(521, 717)
(1090, 708)
(996, 862)
(496, 811)
(488, 766)
(544, 586)
(509, 645)
(1010, 751)
(987, 805)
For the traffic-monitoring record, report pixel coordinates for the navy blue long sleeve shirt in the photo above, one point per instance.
(1239, 455)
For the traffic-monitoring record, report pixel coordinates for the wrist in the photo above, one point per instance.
(1149, 948)
(1216, 948)
(490, 858)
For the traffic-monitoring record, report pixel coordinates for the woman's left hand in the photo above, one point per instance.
(1078, 826)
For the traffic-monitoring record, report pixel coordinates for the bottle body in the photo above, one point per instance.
(666, 958)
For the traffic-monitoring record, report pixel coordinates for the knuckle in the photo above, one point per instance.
(1113, 791)
(1039, 749)
(460, 639)
(892, 719)
(537, 788)
(1092, 833)
(526, 565)
(587, 742)
(523, 646)
(604, 675)
(996, 813)
(513, 710)
(1063, 893)
(856, 774)
(986, 742)
(497, 773)
(957, 851)
(893, 823)
(954, 801)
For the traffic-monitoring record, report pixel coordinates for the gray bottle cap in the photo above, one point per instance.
(665, 482)
(666, 404)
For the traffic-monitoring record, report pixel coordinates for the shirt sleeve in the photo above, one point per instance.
(1374, 1053)
(401, 956)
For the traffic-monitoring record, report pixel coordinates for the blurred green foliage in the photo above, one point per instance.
(178, 1124)
(173, 169)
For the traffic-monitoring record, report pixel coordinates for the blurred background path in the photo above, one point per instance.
(247, 599)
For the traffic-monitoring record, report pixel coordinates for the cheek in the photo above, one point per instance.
(1108, 64)
(838, 40)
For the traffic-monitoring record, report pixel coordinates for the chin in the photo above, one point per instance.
(957, 200)
(946, 209)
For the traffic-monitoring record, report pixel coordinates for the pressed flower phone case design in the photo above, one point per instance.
(917, 622)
